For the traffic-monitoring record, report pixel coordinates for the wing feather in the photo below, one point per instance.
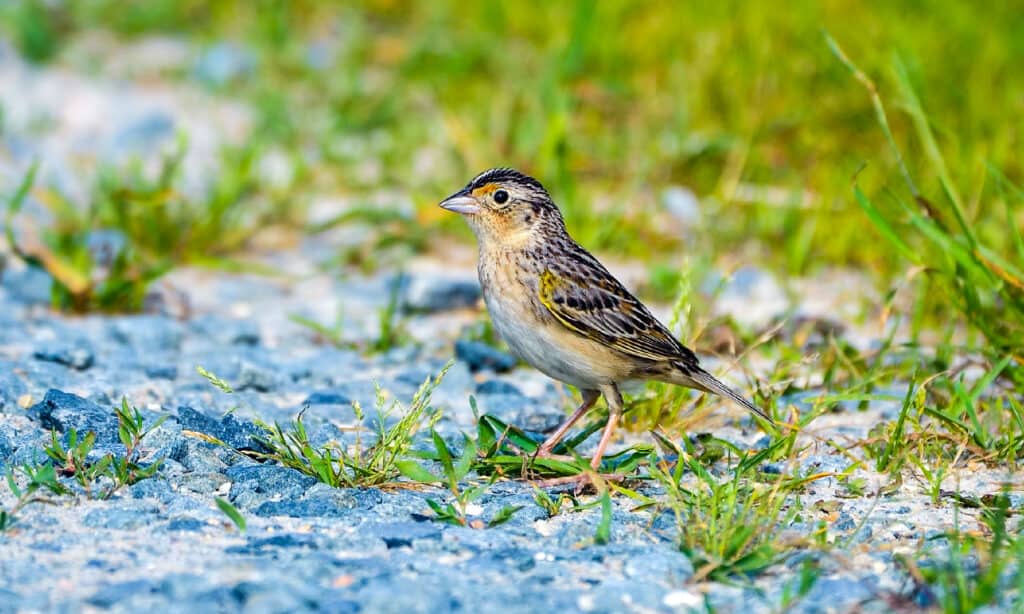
(594, 304)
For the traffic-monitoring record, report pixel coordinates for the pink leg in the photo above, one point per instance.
(589, 398)
(614, 400)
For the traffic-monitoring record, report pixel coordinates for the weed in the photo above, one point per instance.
(973, 572)
(727, 526)
(102, 478)
(104, 255)
(362, 464)
(453, 473)
(39, 477)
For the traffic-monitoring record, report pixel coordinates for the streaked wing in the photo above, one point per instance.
(591, 302)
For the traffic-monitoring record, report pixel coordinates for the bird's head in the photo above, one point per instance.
(505, 205)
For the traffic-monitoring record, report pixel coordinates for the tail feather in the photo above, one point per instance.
(695, 377)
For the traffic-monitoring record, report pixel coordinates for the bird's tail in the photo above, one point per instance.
(695, 377)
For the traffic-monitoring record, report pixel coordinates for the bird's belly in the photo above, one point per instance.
(554, 350)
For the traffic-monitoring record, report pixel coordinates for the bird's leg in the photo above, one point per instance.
(614, 400)
(589, 398)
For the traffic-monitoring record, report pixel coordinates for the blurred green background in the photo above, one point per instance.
(610, 103)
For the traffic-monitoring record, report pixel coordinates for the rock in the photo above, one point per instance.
(148, 333)
(63, 411)
(11, 388)
(76, 354)
(430, 293)
(751, 296)
(168, 372)
(479, 356)
(402, 534)
(237, 433)
(681, 203)
(6, 449)
(224, 63)
(30, 285)
(186, 524)
(253, 485)
(122, 518)
(837, 594)
(262, 546)
(112, 594)
(845, 522)
(322, 501)
(333, 396)
(145, 132)
(252, 376)
(493, 386)
(153, 488)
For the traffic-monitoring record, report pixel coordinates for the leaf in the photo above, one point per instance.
(604, 528)
(504, 515)
(445, 456)
(415, 472)
(231, 512)
(467, 459)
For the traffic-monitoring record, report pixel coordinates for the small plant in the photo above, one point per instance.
(362, 464)
(38, 478)
(105, 254)
(972, 575)
(727, 527)
(102, 478)
(453, 473)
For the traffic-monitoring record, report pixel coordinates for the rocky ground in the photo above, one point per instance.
(163, 543)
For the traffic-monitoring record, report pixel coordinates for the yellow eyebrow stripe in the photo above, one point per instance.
(485, 189)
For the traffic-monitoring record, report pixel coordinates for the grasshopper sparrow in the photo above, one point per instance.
(560, 310)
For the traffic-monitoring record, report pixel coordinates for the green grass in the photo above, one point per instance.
(104, 254)
(98, 479)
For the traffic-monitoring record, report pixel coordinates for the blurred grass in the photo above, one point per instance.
(609, 103)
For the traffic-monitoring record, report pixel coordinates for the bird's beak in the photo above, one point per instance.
(461, 202)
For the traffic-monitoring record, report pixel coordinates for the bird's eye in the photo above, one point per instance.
(501, 197)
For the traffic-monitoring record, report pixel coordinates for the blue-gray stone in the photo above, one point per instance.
(838, 594)
(402, 534)
(334, 396)
(265, 545)
(145, 132)
(479, 356)
(153, 488)
(325, 503)
(118, 518)
(76, 354)
(268, 479)
(112, 594)
(11, 387)
(63, 411)
(148, 333)
(430, 294)
(186, 524)
(493, 386)
(845, 522)
(237, 433)
(30, 285)
(6, 449)
(168, 372)
(223, 63)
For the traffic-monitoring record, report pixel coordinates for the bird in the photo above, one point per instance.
(559, 309)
